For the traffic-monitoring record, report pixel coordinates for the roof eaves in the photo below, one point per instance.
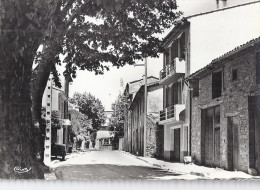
(238, 48)
(141, 89)
(232, 52)
(174, 32)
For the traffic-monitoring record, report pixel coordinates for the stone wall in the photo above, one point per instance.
(154, 137)
(196, 132)
(233, 103)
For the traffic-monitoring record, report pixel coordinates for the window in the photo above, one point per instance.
(234, 74)
(106, 142)
(195, 88)
(216, 84)
(166, 55)
(182, 46)
(167, 97)
(174, 50)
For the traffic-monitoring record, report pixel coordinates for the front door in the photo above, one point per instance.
(176, 152)
(211, 136)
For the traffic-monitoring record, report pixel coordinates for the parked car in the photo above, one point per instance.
(58, 150)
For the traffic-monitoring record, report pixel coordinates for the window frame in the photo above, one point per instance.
(214, 90)
(195, 84)
(236, 74)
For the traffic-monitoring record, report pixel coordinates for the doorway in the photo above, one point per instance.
(233, 144)
(176, 152)
(254, 131)
(210, 136)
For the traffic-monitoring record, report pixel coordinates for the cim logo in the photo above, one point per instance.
(21, 170)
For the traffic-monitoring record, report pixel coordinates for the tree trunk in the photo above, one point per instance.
(20, 36)
(39, 81)
(17, 147)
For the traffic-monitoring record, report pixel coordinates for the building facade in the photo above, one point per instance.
(105, 138)
(129, 92)
(191, 45)
(135, 120)
(55, 100)
(225, 130)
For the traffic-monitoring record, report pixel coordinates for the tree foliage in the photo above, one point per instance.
(56, 122)
(81, 125)
(114, 31)
(92, 33)
(116, 122)
(91, 107)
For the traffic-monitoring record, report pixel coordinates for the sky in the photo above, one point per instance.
(107, 87)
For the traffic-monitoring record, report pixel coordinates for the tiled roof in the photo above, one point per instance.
(141, 88)
(238, 48)
(135, 85)
(232, 52)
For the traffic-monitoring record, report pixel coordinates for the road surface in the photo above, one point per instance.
(108, 165)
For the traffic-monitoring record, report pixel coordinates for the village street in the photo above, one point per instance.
(106, 165)
(118, 165)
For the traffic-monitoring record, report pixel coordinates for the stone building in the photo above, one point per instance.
(191, 45)
(129, 92)
(134, 120)
(225, 125)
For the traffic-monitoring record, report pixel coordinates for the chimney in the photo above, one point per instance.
(221, 4)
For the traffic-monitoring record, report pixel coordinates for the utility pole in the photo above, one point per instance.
(145, 104)
(145, 101)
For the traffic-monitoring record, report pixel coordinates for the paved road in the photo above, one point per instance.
(109, 172)
(108, 165)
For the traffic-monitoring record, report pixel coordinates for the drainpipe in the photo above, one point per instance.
(190, 120)
(145, 106)
(186, 81)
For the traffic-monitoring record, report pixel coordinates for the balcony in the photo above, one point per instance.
(172, 71)
(171, 114)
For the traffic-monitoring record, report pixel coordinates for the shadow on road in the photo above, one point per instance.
(109, 172)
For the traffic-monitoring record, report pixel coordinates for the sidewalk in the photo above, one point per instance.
(201, 172)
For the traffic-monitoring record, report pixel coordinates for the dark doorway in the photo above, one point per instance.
(217, 147)
(209, 137)
(233, 148)
(254, 131)
(176, 152)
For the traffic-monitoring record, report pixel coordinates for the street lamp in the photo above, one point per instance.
(145, 102)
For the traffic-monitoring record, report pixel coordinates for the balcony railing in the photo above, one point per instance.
(174, 69)
(167, 113)
(167, 71)
(172, 112)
